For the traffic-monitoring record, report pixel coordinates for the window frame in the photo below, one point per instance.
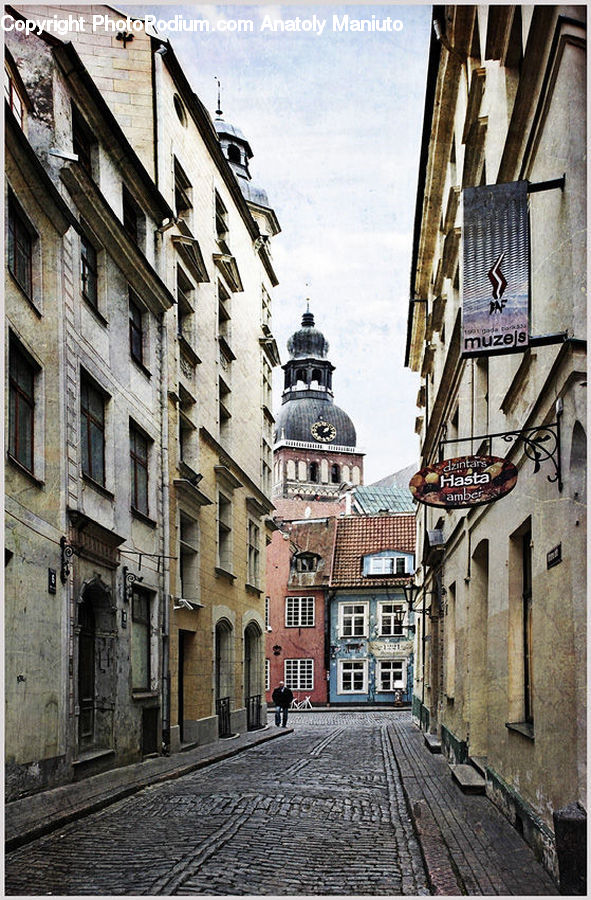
(86, 381)
(89, 266)
(307, 675)
(344, 665)
(253, 536)
(354, 615)
(139, 463)
(137, 331)
(395, 684)
(21, 236)
(10, 91)
(295, 611)
(397, 630)
(145, 623)
(16, 391)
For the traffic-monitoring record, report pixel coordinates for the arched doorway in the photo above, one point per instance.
(479, 680)
(224, 676)
(96, 666)
(86, 673)
(253, 650)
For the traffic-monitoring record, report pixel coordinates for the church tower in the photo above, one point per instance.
(315, 449)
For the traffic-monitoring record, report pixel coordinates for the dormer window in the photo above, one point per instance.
(306, 562)
(387, 564)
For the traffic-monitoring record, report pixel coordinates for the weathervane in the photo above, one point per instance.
(218, 111)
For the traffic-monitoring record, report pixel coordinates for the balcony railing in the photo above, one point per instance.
(223, 714)
(253, 712)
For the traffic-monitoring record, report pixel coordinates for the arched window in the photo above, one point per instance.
(335, 473)
(317, 376)
(234, 153)
(313, 472)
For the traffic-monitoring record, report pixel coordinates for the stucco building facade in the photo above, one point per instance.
(141, 357)
(500, 670)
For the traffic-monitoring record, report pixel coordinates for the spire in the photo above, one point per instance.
(218, 111)
(308, 317)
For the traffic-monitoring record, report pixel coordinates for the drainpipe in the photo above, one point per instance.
(165, 535)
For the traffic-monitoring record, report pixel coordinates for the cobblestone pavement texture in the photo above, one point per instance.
(322, 811)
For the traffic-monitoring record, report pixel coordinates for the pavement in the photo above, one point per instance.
(442, 841)
(32, 817)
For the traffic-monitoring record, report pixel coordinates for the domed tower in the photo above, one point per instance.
(314, 441)
(238, 152)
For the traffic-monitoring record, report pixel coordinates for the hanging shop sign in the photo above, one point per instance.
(495, 293)
(464, 481)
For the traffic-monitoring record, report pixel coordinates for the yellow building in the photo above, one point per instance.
(147, 315)
(500, 673)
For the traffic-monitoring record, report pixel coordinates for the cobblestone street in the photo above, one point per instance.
(320, 812)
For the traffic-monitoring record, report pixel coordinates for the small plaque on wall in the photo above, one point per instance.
(51, 581)
(554, 556)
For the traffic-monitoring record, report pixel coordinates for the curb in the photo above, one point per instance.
(101, 801)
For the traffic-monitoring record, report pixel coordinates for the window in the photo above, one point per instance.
(234, 153)
(182, 192)
(299, 674)
(184, 293)
(391, 674)
(21, 406)
(267, 384)
(188, 558)
(92, 428)
(306, 562)
(82, 141)
(299, 612)
(13, 97)
(88, 272)
(133, 218)
(20, 247)
(224, 533)
(353, 618)
(140, 640)
(267, 619)
(335, 474)
(138, 452)
(352, 676)
(266, 310)
(253, 553)
(136, 330)
(266, 479)
(528, 688)
(313, 472)
(385, 565)
(221, 217)
(267, 675)
(391, 618)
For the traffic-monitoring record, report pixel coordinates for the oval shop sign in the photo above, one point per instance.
(464, 481)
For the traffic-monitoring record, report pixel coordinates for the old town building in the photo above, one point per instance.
(500, 673)
(139, 409)
(338, 626)
(370, 624)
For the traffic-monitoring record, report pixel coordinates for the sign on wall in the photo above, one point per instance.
(464, 481)
(495, 293)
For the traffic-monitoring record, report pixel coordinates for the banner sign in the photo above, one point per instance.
(495, 292)
(464, 481)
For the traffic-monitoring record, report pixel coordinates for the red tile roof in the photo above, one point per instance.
(357, 536)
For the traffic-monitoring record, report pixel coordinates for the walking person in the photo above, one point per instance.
(282, 697)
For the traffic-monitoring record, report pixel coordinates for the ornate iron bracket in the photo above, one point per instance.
(67, 551)
(129, 580)
(540, 444)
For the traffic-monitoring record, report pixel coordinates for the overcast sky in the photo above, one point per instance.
(334, 122)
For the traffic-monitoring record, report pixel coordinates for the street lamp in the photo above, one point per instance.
(410, 592)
